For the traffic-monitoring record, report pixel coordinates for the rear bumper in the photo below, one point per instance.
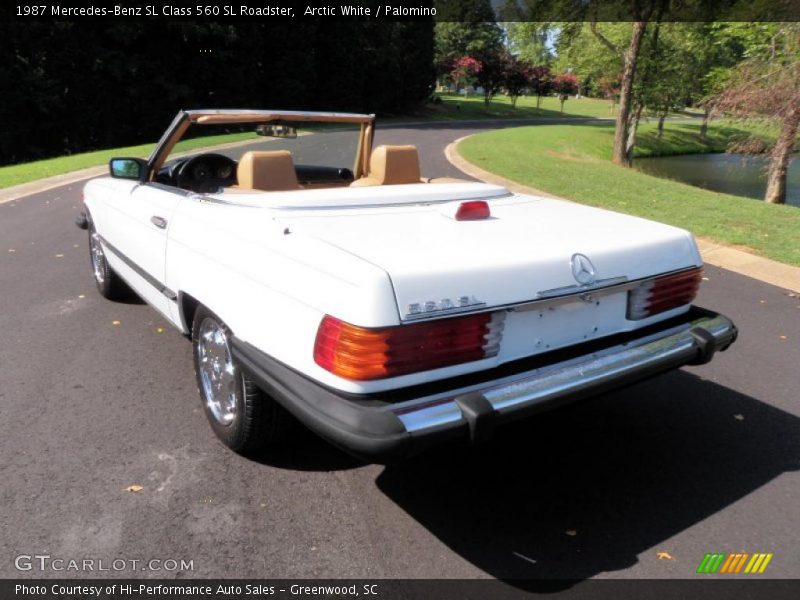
(391, 426)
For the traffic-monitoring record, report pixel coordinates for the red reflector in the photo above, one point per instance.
(359, 353)
(474, 210)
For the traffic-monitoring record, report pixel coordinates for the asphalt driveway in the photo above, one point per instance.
(98, 396)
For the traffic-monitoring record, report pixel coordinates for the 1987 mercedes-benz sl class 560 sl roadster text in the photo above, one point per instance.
(321, 277)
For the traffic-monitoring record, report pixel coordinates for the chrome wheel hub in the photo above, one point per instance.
(98, 258)
(217, 372)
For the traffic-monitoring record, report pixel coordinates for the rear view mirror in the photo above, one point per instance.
(278, 130)
(127, 168)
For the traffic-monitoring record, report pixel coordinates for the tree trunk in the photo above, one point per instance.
(562, 104)
(704, 126)
(629, 61)
(633, 126)
(661, 125)
(538, 101)
(779, 159)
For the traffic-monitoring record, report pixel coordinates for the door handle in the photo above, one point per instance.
(159, 222)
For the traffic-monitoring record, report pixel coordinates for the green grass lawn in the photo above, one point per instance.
(457, 108)
(25, 172)
(573, 161)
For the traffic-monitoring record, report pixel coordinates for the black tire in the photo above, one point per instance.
(109, 284)
(248, 420)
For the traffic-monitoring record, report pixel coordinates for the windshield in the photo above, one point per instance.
(242, 156)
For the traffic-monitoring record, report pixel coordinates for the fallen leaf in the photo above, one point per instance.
(664, 555)
(134, 488)
(763, 301)
(59, 256)
(74, 245)
(706, 279)
(739, 417)
(115, 322)
(571, 532)
(160, 330)
(11, 250)
(81, 296)
(783, 337)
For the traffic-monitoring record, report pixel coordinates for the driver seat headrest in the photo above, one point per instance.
(267, 170)
(392, 165)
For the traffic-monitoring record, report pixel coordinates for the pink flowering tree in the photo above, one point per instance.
(464, 69)
(564, 85)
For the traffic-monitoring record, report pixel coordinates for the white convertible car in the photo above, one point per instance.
(321, 277)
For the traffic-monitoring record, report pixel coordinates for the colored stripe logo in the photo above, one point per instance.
(741, 562)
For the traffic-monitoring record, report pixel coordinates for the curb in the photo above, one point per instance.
(757, 267)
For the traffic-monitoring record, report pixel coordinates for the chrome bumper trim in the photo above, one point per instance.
(577, 377)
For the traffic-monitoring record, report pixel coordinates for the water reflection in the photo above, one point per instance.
(736, 174)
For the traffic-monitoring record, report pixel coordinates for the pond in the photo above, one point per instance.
(736, 174)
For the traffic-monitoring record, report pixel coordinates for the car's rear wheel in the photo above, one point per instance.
(109, 284)
(241, 415)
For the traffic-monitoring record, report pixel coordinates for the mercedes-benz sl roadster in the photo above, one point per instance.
(323, 278)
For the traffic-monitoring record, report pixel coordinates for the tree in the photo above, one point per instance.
(517, 77)
(564, 85)
(464, 69)
(766, 85)
(468, 29)
(609, 87)
(625, 116)
(540, 80)
(529, 41)
(492, 74)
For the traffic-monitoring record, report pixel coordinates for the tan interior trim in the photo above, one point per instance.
(267, 170)
(392, 165)
(264, 118)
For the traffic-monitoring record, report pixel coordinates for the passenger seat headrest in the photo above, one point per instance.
(391, 165)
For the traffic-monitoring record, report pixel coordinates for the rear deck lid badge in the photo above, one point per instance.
(582, 269)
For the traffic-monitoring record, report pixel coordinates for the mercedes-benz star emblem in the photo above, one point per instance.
(582, 269)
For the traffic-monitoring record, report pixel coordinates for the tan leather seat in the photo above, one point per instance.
(268, 171)
(392, 165)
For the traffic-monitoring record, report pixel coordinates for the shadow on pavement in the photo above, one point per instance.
(306, 451)
(583, 490)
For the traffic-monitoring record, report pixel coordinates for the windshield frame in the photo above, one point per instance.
(185, 118)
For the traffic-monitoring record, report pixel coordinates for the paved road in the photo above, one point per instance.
(703, 459)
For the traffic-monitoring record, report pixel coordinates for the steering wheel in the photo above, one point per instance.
(206, 173)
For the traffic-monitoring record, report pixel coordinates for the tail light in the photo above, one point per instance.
(359, 353)
(663, 293)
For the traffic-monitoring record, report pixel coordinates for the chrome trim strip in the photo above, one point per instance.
(444, 312)
(671, 348)
(140, 271)
(609, 286)
(571, 290)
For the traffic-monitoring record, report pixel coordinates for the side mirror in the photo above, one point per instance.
(128, 168)
(277, 130)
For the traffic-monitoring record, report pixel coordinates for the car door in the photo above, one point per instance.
(138, 226)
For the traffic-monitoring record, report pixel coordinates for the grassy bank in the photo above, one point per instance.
(573, 161)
